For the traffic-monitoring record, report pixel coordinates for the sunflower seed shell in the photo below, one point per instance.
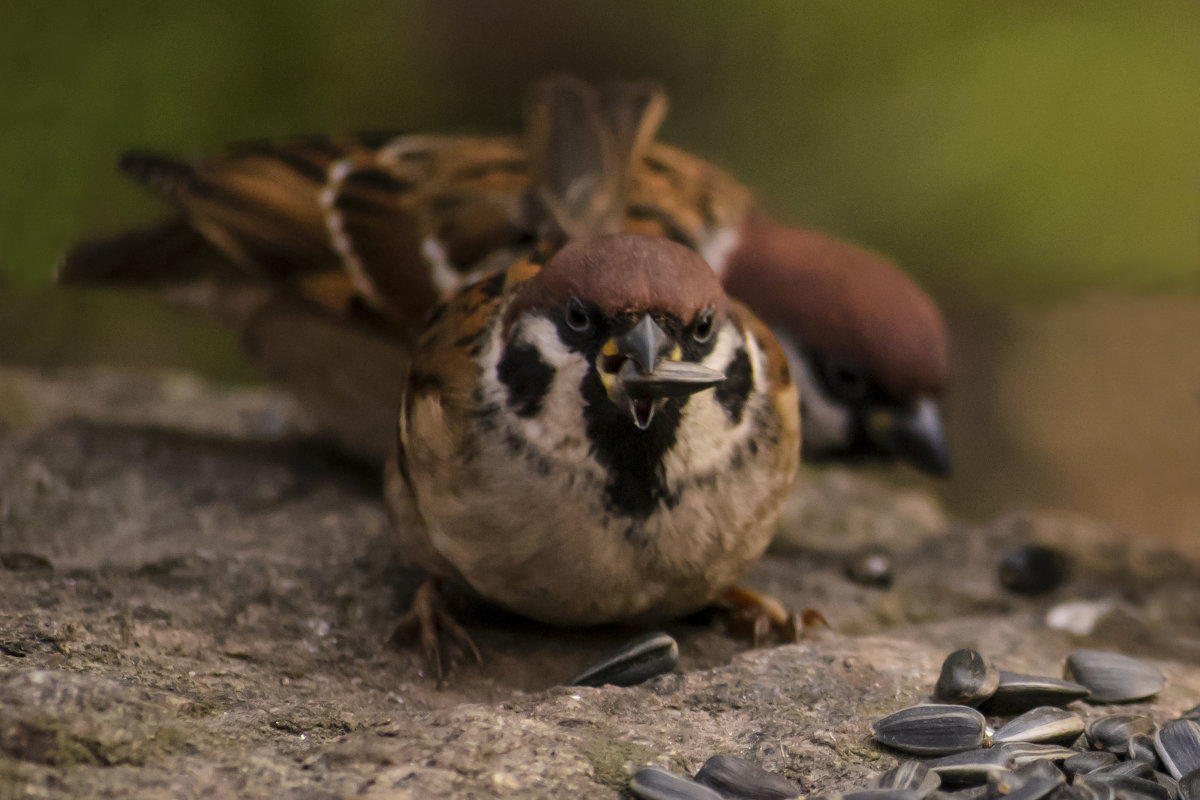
(1018, 693)
(738, 779)
(637, 662)
(932, 729)
(1189, 786)
(1112, 733)
(1178, 745)
(913, 775)
(656, 783)
(1042, 724)
(966, 678)
(1083, 763)
(1113, 677)
(972, 767)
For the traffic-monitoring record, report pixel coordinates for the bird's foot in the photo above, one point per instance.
(760, 618)
(430, 624)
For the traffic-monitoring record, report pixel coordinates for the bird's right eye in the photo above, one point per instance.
(578, 318)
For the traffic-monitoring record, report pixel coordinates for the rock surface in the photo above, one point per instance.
(194, 602)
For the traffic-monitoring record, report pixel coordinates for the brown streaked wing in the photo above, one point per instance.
(685, 198)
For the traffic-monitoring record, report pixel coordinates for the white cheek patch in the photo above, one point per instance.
(558, 427)
(707, 436)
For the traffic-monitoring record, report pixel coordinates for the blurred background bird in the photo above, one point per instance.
(1034, 169)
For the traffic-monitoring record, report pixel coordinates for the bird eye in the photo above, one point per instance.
(702, 330)
(578, 318)
(846, 380)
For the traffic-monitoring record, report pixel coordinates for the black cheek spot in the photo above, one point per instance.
(734, 391)
(526, 377)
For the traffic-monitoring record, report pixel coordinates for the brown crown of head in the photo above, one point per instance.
(843, 301)
(625, 273)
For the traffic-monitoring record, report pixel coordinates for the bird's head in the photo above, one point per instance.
(868, 348)
(642, 313)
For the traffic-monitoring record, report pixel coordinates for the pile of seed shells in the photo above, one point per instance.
(1042, 751)
(1045, 750)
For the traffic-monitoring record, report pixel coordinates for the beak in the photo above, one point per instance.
(650, 371)
(916, 436)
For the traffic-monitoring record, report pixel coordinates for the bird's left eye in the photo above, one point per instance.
(702, 329)
(578, 318)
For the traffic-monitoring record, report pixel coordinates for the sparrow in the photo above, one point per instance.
(603, 437)
(327, 253)
(596, 433)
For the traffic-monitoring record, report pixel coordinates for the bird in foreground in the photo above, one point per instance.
(605, 437)
(596, 433)
(328, 253)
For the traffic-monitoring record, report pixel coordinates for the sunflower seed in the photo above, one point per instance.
(1042, 724)
(636, 662)
(1125, 786)
(1094, 790)
(1135, 769)
(1113, 677)
(656, 783)
(972, 767)
(1189, 786)
(1112, 733)
(1018, 692)
(1082, 763)
(1069, 792)
(966, 678)
(1034, 569)
(932, 729)
(1034, 788)
(1025, 752)
(882, 794)
(1178, 745)
(1140, 747)
(738, 779)
(910, 775)
(1170, 784)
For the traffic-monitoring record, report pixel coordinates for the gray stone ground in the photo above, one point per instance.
(194, 602)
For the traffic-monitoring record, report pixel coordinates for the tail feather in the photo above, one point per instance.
(169, 253)
(584, 145)
(164, 176)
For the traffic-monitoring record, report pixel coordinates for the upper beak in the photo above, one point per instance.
(916, 436)
(651, 372)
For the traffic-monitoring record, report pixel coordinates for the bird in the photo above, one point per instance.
(328, 253)
(596, 433)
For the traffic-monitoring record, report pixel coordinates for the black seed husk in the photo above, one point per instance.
(738, 779)
(966, 678)
(638, 661)
(932, 729)
(1113, 677)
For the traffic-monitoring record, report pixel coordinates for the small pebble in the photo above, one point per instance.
(1033, 569)
(873, 569)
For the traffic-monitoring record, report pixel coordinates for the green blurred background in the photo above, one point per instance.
(1035, 165)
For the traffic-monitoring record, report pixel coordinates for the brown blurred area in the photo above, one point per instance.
(1033, 165)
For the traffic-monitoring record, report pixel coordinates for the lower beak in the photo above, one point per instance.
(649, 372)
(916, 437)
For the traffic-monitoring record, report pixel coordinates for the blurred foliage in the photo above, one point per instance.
(1011, 150)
